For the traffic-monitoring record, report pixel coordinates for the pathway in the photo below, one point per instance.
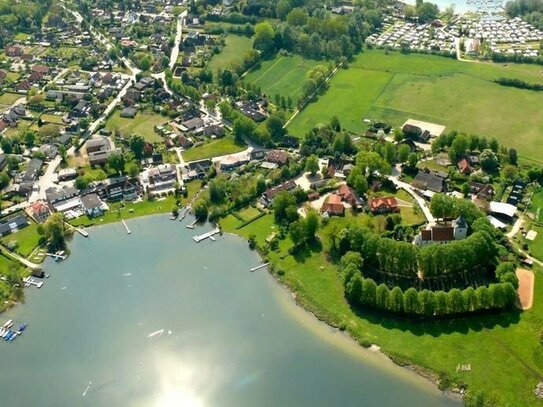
(20, 259)
(516, 227)
(411, 191)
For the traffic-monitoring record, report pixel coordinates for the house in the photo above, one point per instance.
(234, 161)
(383, 205)
(349, 196)
(269, 195)
(54, 195)
(12, 224)
(443, 234)
(49, 150)
(23, 86)
(503, 211)
(278, 157)
(184, 142)
(430, 180)
(483, 191)
(32, 169)
(128, 113)
(162, 178)
(39, 211)
(97, 144)
(198, 169)
(214, 130)
(333, 206)
(3, 76)
(464, 167)
(117, 189)
(193, 124)
(66, 174)
(93, 205)
(3, 161)
(14, 51)
(101, 157)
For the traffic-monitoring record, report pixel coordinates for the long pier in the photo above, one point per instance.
(82, 232)
(259, 267)
(126, 226)
(209, 234)
(184, 212)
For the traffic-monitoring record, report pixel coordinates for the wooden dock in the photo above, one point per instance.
(191, 225)
(126, 227)
(209, 234)
(184, 212)
(82, 232)
(32, 281)
(259, 267)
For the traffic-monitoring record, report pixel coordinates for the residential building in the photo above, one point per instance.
(430, 180)
(440, 234)
(269, 195)
(333, 206)
(383, 205)
(93, 205)
(12, 224)
(39, 211)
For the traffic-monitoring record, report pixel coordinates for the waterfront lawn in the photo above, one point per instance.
(503, 350)
(27, 239)
(283, 75)
(248, 213)
(236, 46)
(213, 148)
(261, 228)
(143, 124)
(460, 95)
(128, 210)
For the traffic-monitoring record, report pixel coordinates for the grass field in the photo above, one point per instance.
(9, 98)
(536, 206)
(459, 95)
(503, 350)
(52, 118)
(283, 75)
(143, 124)
(536, 246)
(236, 46)
(223, 146)
(27, 239)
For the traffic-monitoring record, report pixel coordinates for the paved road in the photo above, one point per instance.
(409, 189)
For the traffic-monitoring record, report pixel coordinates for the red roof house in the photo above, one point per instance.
(333, 206)
(464, 167)
(383, 205)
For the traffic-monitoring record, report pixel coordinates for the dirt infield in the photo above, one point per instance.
(525, 288)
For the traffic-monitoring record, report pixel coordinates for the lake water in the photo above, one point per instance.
(154, 319)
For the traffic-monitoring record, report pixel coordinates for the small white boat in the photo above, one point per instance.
(8, 324)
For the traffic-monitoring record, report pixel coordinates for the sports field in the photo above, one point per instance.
(283, 75)
(457, 94)
(236, 46)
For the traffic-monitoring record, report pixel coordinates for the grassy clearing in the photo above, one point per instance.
(143, 124)
(459, 95)
(492, 344)
(223, 146)
(52, 118)
(249, 213)
(236, 46)
(129, 210)
(536, 246)
(26, 238)
(9, 98)
(282, 75)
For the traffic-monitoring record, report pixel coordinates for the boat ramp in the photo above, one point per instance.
(209, 235)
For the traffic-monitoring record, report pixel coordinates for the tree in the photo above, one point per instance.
(403, 153)
(4, 179)
(456, 301)
(312, 164)
(217, 191)
(116, 162)
(311, 224)
(49, 131)
(510, 172)
(137, 144)
(243, 127)
(427, 12)
(442, 206)
(441, 303)
(353, 290)
(382, 297)
(81, 183)
(489, 160)
(55, 232)
(334, 122)
(200, 210)
(264, 39)
(395, 302)
(297, 233)
(460, 145)
(412, 160)
(471, 301)
(411, 301)
(369, 292)
(513, 158)
(275, 124)
(427, 302)
(133, 169)
(484, 297)
(281, 204)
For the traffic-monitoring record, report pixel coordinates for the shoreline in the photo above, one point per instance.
(308, 316)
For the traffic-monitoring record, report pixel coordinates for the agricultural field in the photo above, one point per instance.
(236, 46)
(460, 95)
(223, 146)
(283, 75)
(143, 124)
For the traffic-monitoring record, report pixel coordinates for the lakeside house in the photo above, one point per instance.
(268, 196)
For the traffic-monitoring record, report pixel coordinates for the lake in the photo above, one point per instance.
(154, 319)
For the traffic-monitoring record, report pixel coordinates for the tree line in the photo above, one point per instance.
(520, 84)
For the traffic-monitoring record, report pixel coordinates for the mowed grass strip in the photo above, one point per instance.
(214, 148)
(459, 95)
(236, 46)
(283, 75)
(143, 124)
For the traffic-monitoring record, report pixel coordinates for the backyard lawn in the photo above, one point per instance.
(283, 75)
(143, 124)
(26, 238)
(236, 46)
(223, 146)
(9, 98)
(460, 95)
(52, 118)
(536, 206)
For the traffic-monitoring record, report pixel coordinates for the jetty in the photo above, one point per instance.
(57, 256)
(184, 213)
(126, 227)
(259, 267)
(32, 281)
(82, 232)
(209, 234)
(191, 225)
